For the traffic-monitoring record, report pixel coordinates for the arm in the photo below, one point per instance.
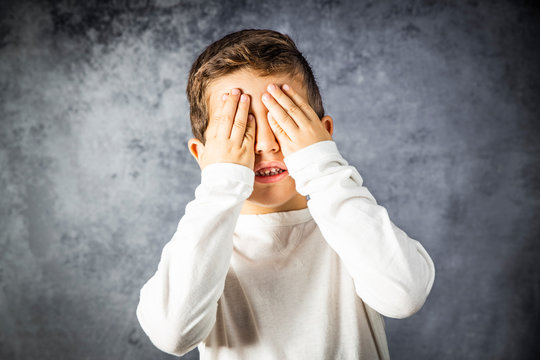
(392, 273)
(177, 306)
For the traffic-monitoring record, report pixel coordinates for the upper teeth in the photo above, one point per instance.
(269, 172)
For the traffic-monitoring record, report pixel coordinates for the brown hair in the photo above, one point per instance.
(266, 51)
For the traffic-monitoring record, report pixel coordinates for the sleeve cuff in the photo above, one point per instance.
(317, 153)
(315, 168)
(220, 179)
(218, 172)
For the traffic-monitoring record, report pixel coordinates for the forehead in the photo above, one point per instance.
(251, 83)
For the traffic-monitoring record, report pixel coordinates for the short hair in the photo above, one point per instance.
(267, 52)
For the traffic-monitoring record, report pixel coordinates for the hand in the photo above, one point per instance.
(293, 121)
(230, 134)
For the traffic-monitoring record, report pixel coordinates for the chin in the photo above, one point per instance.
(269, 202)
(275, 198)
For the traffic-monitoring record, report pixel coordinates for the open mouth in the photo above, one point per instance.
(268, 173)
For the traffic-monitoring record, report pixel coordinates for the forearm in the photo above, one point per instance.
(177, 305)
(392, 272)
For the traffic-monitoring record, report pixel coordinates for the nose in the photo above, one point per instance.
(265, 141)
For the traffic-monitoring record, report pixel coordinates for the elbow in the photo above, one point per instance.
(412, 297)
(397, 304)
(160, 334)
(168, 344)
(405, 306)
(407, 301)
(173, 346)
(175, 338)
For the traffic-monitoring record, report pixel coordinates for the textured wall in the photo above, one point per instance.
(435, 102)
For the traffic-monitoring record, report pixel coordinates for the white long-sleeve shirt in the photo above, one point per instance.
(303, 284)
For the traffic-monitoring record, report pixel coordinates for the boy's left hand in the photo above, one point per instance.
(293, 121)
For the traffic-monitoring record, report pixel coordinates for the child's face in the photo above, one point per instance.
(270, 193)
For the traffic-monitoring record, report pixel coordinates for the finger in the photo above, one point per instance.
(294, 111)
(226, 117)
(240, 120)
(212, 126)
(278, 131)
(249, 136)
(302, 103)
(285, 121)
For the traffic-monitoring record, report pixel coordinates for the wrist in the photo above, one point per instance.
(315, 153)
(227, 170)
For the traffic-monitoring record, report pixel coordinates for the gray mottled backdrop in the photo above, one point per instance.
(435, 102)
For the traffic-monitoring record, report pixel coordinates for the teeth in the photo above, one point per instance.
(269, 172)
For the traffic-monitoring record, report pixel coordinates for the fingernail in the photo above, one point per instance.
(224, 97)
(243, 98)
(251, 117)
(271, 87)
(266, 97)
(285, 87)
(235, 91)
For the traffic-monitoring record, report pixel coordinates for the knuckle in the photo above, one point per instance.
(279, 130)
(225, 118)
(289, 118)
(249, 137)
(305, 107)
(239, 124)
(292, 109)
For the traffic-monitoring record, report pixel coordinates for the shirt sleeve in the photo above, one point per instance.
(392, 273)
(177, 305)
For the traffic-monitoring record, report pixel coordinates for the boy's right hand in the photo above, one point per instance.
(230, 134)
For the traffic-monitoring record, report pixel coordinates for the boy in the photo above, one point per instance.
(283, 254)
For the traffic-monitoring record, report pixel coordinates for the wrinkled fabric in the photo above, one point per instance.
(313, 283)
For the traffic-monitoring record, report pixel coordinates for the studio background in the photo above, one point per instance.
(436, 103)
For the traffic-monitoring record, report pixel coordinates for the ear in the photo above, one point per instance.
(328, 123)
(196, 148)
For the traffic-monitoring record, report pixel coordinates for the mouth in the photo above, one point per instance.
(270, 172)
